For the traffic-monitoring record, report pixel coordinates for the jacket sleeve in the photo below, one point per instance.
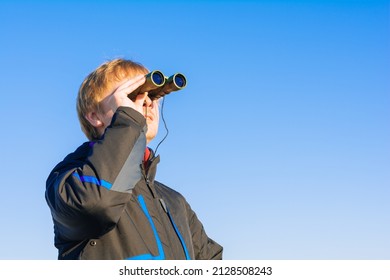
(87, 195)
(204, 247)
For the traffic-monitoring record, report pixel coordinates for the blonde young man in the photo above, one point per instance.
(103, 197)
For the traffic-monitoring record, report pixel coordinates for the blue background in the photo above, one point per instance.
(280, 142)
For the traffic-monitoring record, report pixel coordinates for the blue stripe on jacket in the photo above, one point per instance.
(161, 255)
(93, 180)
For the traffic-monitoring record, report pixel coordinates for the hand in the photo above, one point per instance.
(120, 95)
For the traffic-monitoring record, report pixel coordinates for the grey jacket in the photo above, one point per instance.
(106, 205)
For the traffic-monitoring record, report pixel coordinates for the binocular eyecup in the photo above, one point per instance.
(157, 85)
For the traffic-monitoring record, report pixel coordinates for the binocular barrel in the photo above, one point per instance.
(157, 85)
(153, 80)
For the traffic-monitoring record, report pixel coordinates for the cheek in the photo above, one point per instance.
(156, 115)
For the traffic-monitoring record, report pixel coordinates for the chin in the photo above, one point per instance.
(150, 137)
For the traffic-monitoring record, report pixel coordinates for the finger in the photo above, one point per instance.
(141, 96)
(133, 83)
(140, 99)
(130, 85)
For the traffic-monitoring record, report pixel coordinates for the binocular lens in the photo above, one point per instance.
(158, 78)
(180, 81)
(157, 85)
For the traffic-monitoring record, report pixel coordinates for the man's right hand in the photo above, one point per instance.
(120, 95)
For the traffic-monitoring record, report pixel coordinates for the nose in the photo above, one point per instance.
(148, 106)
(148, 103)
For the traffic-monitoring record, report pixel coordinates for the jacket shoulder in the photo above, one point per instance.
(74, 159)
(167, 191)
(171, 196)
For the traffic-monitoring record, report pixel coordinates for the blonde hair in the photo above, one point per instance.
(96, 86)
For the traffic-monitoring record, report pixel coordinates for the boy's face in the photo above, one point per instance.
(152, 115)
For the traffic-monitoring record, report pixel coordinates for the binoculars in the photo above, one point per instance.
(157, 85)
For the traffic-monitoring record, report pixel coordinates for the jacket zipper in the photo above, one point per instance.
(183, 244)
(166, 210)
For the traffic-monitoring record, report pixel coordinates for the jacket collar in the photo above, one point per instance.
(150, 164)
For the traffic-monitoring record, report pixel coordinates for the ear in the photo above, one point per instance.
(94, 119)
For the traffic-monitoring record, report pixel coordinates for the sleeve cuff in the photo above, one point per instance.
(133, 114)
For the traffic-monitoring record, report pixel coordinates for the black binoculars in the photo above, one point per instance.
(157, 85)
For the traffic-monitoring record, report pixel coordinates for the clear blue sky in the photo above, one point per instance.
(280, 142)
